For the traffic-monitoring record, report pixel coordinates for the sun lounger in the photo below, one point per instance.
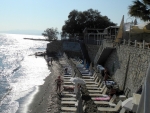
(67, 112)
(97, 91)
(68, 92)
(67, 78)
(110, 109)
(67, 82)
(69, 103)
(102, 99)
(85, 76)
(122, 110)
(123, 97)
(98, 94)
(68, 88)
(93, 78)
(93, 85)
(68, 99)
(89, 78)
(105, 102)
(68, 74)
(98, 87)
(83, 71)
(68, 95)
(93, 82)
(71, 85)
(68, 109)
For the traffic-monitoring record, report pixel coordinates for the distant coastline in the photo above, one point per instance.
(36, 39)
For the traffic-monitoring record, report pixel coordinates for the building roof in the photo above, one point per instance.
(92, 30)
(112, 27)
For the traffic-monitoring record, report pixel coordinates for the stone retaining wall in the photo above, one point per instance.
(54, 46)
(92, 50)
(128, 63)
(72, 49)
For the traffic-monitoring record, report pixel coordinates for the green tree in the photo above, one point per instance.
(78, 21)
(64, 35)
(140, 9)
(51, 34)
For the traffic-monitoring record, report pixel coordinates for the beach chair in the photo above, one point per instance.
(97, 90)
(67, 83)
(110, 109)
(68, 92)
(88, 77)
(99, 94)
(93, 78)
(78, 107)
(92, 81)
(123, 110)
(69, 99)
(69, 109)
(98, 87)
(83, 71)
(67, 79)
(87, 74)
(68, 95)
(72, 109)
(94, 85)
(67, 75)
(68, 89)
(70, 103)
(126, 92)
(105, 102)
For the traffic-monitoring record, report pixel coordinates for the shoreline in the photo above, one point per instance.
(46, 99)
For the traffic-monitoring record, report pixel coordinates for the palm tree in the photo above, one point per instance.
(140, 9)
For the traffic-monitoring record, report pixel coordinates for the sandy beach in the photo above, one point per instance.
(46, 100)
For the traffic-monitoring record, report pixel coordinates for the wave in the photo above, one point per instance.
(7, 93)
(16, 69)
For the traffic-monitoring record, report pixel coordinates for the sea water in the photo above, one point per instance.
(20, 71)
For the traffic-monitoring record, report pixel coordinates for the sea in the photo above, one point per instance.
(20, 71)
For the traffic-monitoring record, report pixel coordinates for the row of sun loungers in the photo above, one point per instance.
(69, 101)
(96, 89)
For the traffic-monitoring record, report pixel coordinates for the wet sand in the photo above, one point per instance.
(46, 100)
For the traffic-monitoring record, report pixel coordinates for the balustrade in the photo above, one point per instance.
(142, 45)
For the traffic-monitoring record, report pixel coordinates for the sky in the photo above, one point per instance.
(34, 16)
